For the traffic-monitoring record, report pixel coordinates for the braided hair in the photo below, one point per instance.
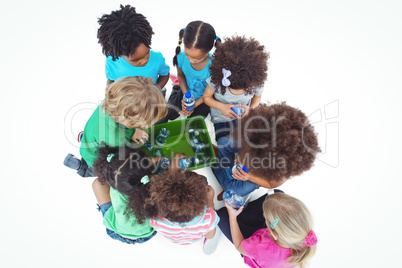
(199, 35)
(122, 31)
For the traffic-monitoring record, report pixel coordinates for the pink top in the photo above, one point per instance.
(262, 251)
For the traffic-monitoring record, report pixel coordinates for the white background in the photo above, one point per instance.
(345, 53)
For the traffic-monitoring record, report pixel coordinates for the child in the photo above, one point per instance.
(238, 72)
(274, 142)
(131, 103)
(180, 207)
(192, 68)
(125, 37)
(120, 170)
(287, 239)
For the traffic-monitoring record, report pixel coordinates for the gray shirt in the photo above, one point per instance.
(229, 98)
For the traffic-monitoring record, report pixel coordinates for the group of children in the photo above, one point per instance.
(275, 142)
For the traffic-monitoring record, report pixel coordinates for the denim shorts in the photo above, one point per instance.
(224, 128)
(103, 208)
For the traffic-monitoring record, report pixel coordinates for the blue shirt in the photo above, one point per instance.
(155, 67)
(196, 83)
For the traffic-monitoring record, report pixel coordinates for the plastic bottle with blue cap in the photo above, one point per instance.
(231, 198)
(188, 162)
(239, 166)
(189, 101)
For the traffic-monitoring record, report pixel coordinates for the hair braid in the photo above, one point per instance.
(178, 48)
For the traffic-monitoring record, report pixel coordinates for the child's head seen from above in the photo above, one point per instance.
(276, 142)
(125, 33)
(290, 223)
(198, 38)
(122, 167)
(179, 195)
(135, 102)
(247, 61)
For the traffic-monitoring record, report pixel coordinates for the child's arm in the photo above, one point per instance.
(237, 236)
(224, 108)
(162, 80)
(210, 195)
(255, 101)
(241, 175)
(182, 80)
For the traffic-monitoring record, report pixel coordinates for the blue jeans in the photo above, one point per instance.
(103, 208)
(85, 170)
(224, 128)
(227, 150)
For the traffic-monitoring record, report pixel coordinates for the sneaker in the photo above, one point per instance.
(79, 138)
(220, 196)
(174, 79)
(72, 162)
(210, 245)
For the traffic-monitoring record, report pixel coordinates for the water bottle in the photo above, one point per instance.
(202, 158)
(149, 146)
(238, 110)
(162, 137)
(238, 166)
(233, 199)
(162, 165)
(189, 101)
(195, 141)
(157, 152)
(188, 162)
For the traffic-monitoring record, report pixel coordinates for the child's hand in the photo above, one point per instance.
(184, 111)
(139, 135)
(175, 163)
(246, 109)
(233, 213)
(227, 112)
(241, 175)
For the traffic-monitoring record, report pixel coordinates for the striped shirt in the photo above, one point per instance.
(188, 232)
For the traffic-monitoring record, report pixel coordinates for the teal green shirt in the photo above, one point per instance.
(102, 128)
(115, 219)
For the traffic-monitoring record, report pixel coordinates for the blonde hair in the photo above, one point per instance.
(295, 223)
(134, 101)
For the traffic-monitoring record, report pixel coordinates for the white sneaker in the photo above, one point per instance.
(210, 245)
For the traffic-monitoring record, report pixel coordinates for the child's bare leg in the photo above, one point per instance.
(101, 192)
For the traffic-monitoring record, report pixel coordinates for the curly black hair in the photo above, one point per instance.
(122, 31)
(178, 195)
(285, 144)
(245, 58)
(121, 167)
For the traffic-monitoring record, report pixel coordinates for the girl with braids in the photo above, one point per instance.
(192, 68)
(286, 238)
(238, 72)
(125, 37)
(120, 170)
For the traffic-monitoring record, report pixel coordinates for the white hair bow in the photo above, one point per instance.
(226, 74)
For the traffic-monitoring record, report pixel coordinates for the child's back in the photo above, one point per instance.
(182, 204)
